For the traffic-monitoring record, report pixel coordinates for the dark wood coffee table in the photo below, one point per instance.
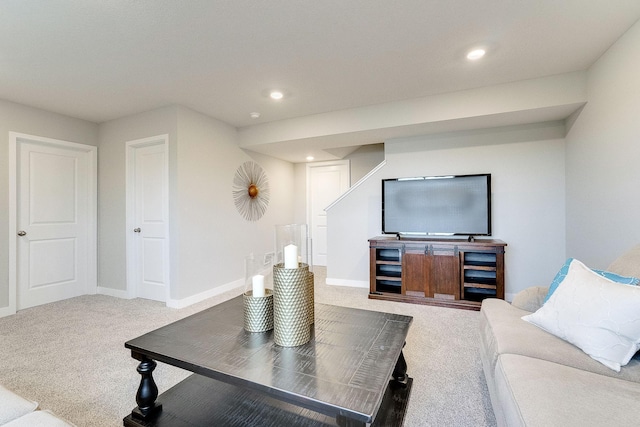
(351, 373)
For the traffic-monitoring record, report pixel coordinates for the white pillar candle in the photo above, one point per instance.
(291, 256)
(258, 285)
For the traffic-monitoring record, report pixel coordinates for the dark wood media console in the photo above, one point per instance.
(445, 272)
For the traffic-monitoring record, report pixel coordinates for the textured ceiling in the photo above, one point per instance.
(100, 60)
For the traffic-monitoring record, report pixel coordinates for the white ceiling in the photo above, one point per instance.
(101, 60)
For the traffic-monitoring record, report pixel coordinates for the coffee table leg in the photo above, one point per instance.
(147, 391)
(348, 422)
(400, 371)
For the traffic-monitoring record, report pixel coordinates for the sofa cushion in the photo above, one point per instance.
(594, 313)
(535, 392)
(13, 406)
(40, 419)
(503, 331)
(531, 298)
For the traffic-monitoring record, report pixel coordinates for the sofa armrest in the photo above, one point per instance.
(627, 264)
(530, 299)
(13, 406)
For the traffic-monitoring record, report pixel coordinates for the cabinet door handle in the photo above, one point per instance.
(22, 233)
(137, 230)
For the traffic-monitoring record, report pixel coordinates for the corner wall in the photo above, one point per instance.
(208, 237)
(527, 167)
(603, 154)
(212, 237)
(112, 249)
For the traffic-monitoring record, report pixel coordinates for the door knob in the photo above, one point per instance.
(22, 233)
(137, 230)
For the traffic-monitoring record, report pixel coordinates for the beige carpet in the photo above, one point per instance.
(69, 356)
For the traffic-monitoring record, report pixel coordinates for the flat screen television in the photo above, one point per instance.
(437, 205)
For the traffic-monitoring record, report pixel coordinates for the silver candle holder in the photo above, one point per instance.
(258, 311)
(291, 307)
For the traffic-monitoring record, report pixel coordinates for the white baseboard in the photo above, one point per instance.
(110, 292)
(350, 283)
(7, 311)
(218, 290)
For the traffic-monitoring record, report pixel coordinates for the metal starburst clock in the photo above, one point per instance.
(251, 191)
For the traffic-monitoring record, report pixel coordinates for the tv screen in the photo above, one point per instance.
(437, 205)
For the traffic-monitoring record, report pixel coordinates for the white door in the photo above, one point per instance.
(326, 182)
(55, 220)
(147, 207)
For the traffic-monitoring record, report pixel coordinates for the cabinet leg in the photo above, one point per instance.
(348, 422)
(147, 391)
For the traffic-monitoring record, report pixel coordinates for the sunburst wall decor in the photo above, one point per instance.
(251, 191)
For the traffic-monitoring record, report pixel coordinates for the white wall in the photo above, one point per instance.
(213, 238)
(112, 186)
(209, 239)
(603, 157)
(300, 194)
(20, 118)
(527, 167)
(364, 159)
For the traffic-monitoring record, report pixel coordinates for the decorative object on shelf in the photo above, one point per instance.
(293, 245)
(251, 191)
(258, 311)
(291, 305)
(257, 299)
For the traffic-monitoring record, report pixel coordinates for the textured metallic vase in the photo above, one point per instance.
(290, 305)
(311, 298)
(258, 311)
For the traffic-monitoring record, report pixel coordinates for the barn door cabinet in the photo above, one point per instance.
(444, 272)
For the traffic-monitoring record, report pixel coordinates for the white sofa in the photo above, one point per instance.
(537, 379)
(16, 411)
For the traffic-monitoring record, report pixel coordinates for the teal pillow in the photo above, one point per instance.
(611, 276)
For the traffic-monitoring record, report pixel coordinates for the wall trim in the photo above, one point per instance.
(7, 311)
(237, 285)
(348, 283)
(117, 293)
(357, 184)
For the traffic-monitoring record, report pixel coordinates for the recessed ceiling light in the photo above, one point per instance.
(309, 158)
(476, 54)
(254, 115)
(276, 94)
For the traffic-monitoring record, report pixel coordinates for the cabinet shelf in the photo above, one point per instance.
(479, 285)
(389, 278)
(382, 262)
(388, 260)
(480, 267)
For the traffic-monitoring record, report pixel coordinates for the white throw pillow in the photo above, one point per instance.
(597, 315)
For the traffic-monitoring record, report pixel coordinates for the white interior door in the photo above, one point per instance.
(326, 181)
(147, 185)
(55, 220)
